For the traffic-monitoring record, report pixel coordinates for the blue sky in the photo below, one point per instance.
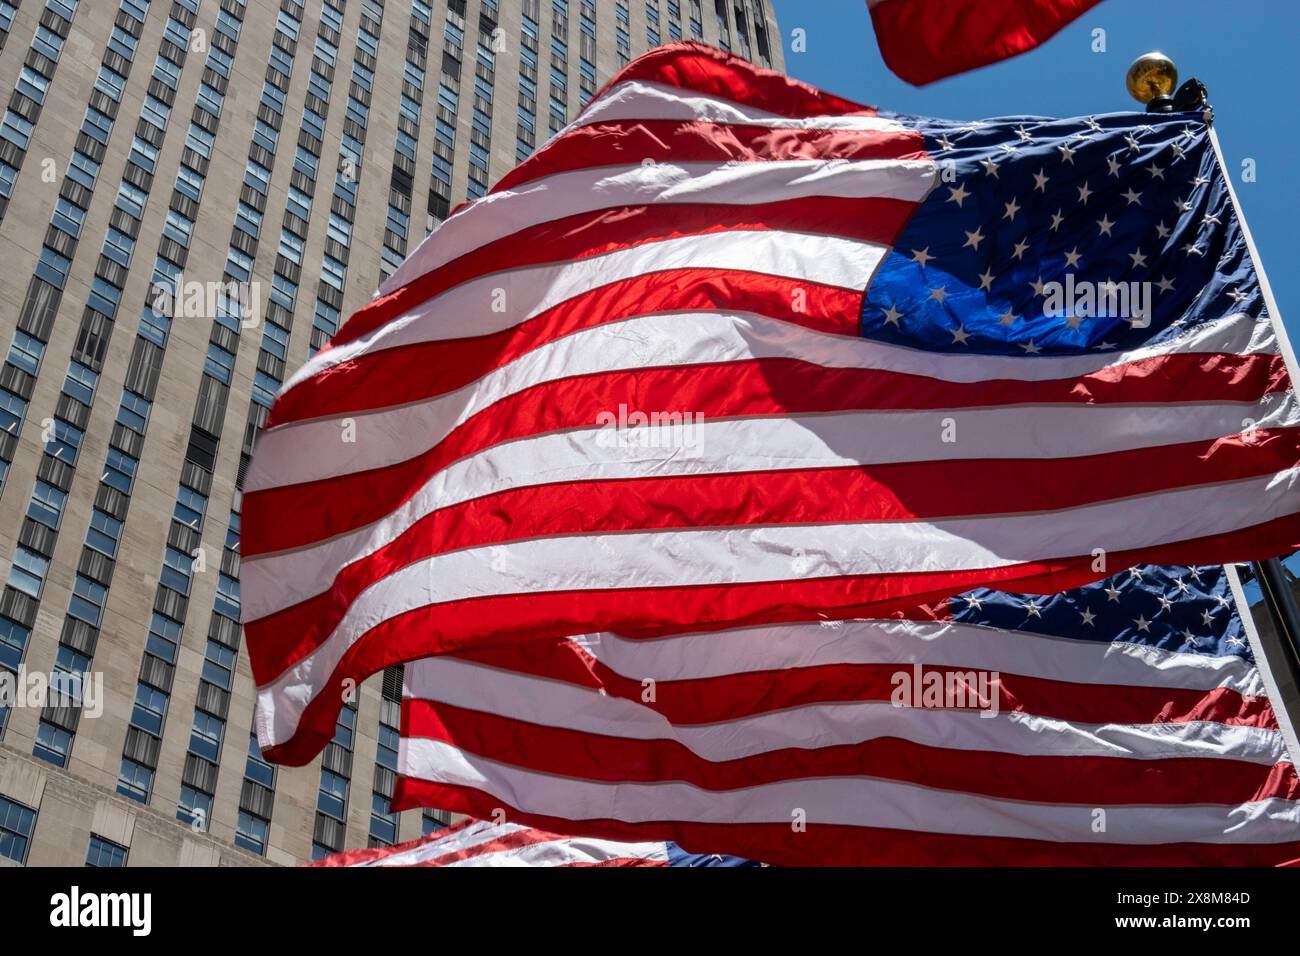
(1242, 51)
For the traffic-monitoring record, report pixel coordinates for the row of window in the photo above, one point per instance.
(19, 120)
(17, 821)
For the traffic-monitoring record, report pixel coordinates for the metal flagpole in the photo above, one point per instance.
(1152, 79)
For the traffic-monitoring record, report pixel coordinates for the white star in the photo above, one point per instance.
(1030, 348)
(1181, 585)
(1105, 225)
(1183, 205)
(959, 336)
(1084, 193)
(1135, 574)
(1067, 154)
(1020, 249)
(1165, 283)
(1165, 603)
(973, 601)
(1011, 209)
(922, 256)
(1057, 219)
(1040, 181)
(1236, 295)
(1024, 137)
(1132, 196)
(945, 143)
(1207, 618)
(990, 167)
(1038, 285)
(1139, 260)
(1087, 616)
(892, 315)
(1008, 317)
(1235, 642)
(973, 239)
(1033, 609)
(1156, 172)
(1072, 258)
(1210, 221)
(1142, 623)
(958, 194)
(939, 294)
(1162, 231)
(1189, 636)
(1178, 150)
(1192, 249)
(986, 280)
(1194, 573)
(1092, 124)
(1113, 163)
(1112, 593)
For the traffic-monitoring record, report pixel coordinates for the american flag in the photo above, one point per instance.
(927, 40)
(1122, 723)
(482, 843)
(732, 351)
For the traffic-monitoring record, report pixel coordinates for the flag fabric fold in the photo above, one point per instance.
(731, 351)
(1122, 723)
(479, 843)
(927, 40)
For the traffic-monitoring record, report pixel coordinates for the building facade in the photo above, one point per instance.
(193, 195)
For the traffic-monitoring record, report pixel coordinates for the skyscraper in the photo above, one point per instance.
(193, 196)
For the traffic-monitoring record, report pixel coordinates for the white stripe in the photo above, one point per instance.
(756, 554)
(810, 727)
(528, 292)
(634, 100)
(499, 215)
(310, 450)
(853, 801)
(780, 647)
(275, 581)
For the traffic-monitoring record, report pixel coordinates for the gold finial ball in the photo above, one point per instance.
(1151, 75)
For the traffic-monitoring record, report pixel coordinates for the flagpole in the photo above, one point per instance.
(1152, 79)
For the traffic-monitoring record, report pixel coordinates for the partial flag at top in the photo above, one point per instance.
(732, 351)
(927, 40)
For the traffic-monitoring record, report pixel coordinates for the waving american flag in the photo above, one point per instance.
(731, 351)
(1122, 723)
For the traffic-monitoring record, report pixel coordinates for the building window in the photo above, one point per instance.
(16, 822)
(104, 853)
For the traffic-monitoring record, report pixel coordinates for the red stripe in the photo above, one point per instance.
(1041, 778)
(632, 142)
(316, 510)
(460, 625)
(412, 372)
(926, 40)
(586, 234)
(802, 496)
(833, 845)
(714, 699)
(710, 71)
